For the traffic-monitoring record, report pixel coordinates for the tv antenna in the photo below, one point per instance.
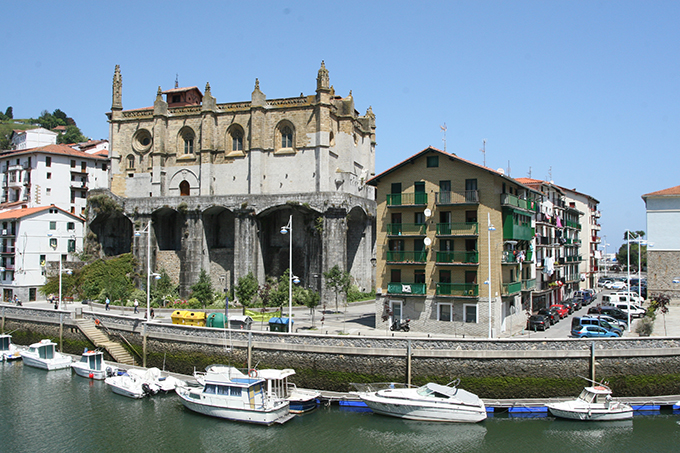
(529, 173)
(483, 150)
(176, 80)
(508, 167)
(443, 128)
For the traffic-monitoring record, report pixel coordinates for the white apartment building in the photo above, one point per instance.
(33, 138)
(29, 239)
(51, 175)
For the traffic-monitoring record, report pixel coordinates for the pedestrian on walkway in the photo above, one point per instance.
(152, 313)
(136, 306)
(107, 303)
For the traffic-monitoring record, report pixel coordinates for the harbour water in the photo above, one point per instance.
(58, 411)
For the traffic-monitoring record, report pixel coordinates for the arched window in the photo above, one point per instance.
(184, 189)
(188, 144)
(130, 162)
(237, 140)
(286, 137)
(186, 141)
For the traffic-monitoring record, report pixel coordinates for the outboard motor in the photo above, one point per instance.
(147, 390)
(401, 325)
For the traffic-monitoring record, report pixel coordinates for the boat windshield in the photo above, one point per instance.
(4, 343)
(586, 396)
(424, 391)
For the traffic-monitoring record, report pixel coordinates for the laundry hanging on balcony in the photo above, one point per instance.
(406, 289)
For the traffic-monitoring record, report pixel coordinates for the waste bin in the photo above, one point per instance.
(241, 322)
(278, 324)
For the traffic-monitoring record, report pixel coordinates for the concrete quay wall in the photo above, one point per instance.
(490, 368)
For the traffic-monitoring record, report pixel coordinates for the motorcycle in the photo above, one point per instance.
(401, 325)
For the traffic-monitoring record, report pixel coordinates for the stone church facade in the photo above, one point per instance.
(218, 181)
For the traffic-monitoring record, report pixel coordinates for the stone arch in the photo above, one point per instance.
(236, 143)
(186, 142)
(181, 175)
(167, 225)
(219, 231)
(360, 242)
(114, 233)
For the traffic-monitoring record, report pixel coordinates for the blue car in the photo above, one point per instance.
(593, 332)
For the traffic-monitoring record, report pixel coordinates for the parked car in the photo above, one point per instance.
(593, 332)
(538, 322)
(636, 311)
(617, 285)
(578, 321)
(624, 296)
(609, 311)
(621, 324)
(552, 314)
(642, 290)
(584, 296)
(604, 283)
(570, 304)
(561, 310)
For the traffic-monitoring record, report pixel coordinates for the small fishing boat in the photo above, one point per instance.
(8, 350)
(92, 365)
(231, 395)
(595, 403)
(431, 402)
(136, 383)
(45, 356)
(301, 400)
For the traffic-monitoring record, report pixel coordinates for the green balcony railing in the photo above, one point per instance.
(528, 285)
(466, 197)
(513, 256)
(517, 232)
(458, 229)
(449, 257)
(406, 199)
(406, 288)
(511, 288)
(521, 203)
(571, 224)
(458, 289)
(407, 257)
(406, 229)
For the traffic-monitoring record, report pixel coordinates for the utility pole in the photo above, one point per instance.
(443, 128)
(483, 150)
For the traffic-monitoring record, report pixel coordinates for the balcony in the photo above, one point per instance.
(7, 233)
(407, 199)
(7, 250)
(595, 239)
(406, 257)
(458, 229)
(511, 256)
(519, 203)
(458, 289)
(406, 229)
(517, 232)
(466, 197)
(573, 259)
(511, 288)
(78, 185)
(458, 257)
(528, 285)
(406, 288)
(571, 224)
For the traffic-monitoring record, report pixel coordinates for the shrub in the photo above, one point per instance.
(645, 326)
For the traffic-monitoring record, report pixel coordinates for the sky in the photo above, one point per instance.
(581, 93)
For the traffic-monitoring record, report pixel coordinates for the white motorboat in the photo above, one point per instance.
(231, 395)
(136, 383)
(8, 350)
(44, 355)
(594, 403)
(431, 402)
(92, 365)
(301, 400)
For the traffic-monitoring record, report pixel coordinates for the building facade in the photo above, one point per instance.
(33, 138)
(31, 239)
(663, 260)
(219, 180)
(454, 246)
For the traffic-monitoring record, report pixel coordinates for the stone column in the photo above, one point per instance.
(247, 255)
(191, 252)
(334, 247)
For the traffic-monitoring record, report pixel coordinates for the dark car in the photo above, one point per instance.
(639, 290)
(594, 321)
(552, 314)
(538, 322)
(570, 304)
(585, 296)
(609, 311)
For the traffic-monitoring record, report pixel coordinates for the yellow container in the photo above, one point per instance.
(188, 318)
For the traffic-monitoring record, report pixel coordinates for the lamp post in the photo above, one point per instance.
(628, 273)
(288, 229)
(69, 272)
(147, 230)
(488, 282)
(605, 255)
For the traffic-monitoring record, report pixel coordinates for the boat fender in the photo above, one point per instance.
(252, 373)
(97, 322)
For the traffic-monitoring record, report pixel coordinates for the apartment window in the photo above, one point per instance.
(71, 245)
(433, 161)
(12, 176)
(419, 276)
(104, 167)
(48, 192)
(83, 166)
(470, 313)
(49, 175)
(445, 312)
(53, 225)
(53, 243)
(83, 194)
(395, 276)
(73, 164)
(48, 161)
(43, 260)
(71, 226)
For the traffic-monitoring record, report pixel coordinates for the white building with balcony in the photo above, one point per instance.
(29, 239)
(33, 138)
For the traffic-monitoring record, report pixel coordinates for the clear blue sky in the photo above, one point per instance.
(582, 92)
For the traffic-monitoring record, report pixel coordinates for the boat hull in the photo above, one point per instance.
(563, 410)
(194, 402)
(125, 386)
(411, 410)
(88, 373)
(56, 363)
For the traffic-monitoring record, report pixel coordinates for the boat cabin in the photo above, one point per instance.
(237, 391)
(92, 359)
(45, 349)
(597, 395)
(5, 341)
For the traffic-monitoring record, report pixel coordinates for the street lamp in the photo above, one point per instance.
(488, 282)
(147, 230)
(605, 255)
(69, 272)
(286, 230)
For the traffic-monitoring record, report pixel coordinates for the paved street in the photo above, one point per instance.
(358, 319)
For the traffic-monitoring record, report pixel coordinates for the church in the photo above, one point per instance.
(197, 184)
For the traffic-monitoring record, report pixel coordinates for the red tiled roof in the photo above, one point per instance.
(672, 191)
(53, 149)
(180, 90)
(20, 213)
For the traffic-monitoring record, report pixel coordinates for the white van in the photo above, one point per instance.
(634, 296)
(636, 311)
(619, 297)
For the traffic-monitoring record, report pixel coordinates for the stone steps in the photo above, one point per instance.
(99, 338)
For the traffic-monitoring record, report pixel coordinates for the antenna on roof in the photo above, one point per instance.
(529, 173)
(176, 80)
(483, 150)
(550, 174)
(444, 139)
(508, 167)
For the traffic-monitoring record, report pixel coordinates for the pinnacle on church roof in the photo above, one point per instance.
(322, 79)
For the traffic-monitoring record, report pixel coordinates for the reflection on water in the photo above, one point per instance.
(57, 411)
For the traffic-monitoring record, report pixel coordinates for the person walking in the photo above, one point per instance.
(136, 306)
(108, 302)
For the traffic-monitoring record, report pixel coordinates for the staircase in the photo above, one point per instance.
(101, 340)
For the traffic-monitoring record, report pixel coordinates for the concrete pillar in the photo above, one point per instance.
(334, 246)
(247, 255)
(191, 252)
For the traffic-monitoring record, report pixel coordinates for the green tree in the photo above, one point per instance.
(164, 290)
(310, 299)
(72, 135)
(246, 289)
(636, 250)
(9, 113)
(338, 281)
(47, 121)
(203, 289)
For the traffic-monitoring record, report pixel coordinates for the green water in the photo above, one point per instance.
(58, 411)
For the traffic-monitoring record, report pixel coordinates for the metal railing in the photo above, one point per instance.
(449, 257)
(466, 197)
(406, 257)
(458, 289)
(406, 199)
(412, 229)
(458, 229)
